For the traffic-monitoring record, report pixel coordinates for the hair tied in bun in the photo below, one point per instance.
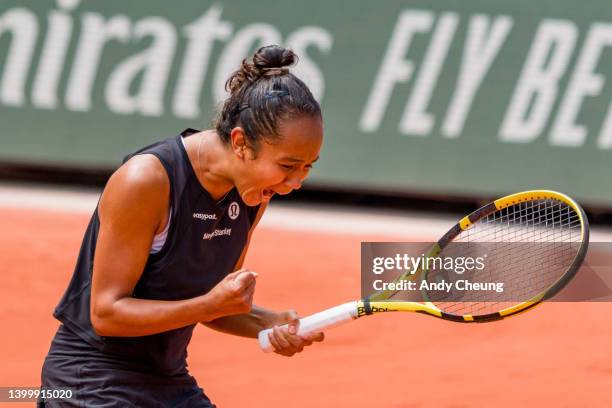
(264, 94)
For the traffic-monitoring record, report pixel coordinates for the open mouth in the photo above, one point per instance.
(267, 193)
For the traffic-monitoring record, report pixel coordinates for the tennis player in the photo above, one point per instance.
(165, 246)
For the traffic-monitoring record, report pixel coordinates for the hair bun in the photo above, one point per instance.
(273, 58)
(268, 61)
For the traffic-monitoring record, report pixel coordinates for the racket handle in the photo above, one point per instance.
(316, 322)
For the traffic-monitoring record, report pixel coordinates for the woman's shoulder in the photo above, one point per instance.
(144, 172)
(140, 184)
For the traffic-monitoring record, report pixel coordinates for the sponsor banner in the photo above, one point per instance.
(436, 97)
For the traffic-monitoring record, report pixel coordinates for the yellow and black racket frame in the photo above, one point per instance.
(378, 302)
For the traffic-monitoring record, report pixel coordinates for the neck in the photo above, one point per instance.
(212, 161)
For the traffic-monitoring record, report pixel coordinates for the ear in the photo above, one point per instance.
(238, 141)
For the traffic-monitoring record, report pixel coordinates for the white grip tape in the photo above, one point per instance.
(316, 322)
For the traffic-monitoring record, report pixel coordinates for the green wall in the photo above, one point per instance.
(436, 97)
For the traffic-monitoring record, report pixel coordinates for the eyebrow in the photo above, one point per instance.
(295, 159)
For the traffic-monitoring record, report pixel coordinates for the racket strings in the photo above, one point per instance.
(547, 264)
(527, 247)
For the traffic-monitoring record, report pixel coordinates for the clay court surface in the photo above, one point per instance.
(558, 355)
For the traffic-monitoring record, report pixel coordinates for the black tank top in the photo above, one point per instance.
(204, 242)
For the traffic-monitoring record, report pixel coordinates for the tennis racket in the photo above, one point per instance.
(540, 239)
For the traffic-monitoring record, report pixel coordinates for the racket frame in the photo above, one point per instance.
(375, 303)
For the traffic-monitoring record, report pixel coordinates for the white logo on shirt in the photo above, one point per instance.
(217, 232)
(233, 210)
(205, 217)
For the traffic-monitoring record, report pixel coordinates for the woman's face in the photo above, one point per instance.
(281, 167)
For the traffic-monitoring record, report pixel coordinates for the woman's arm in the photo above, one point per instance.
(132, 209)
(249, 324)
(285, 340)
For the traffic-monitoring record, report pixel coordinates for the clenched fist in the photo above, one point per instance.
(234, 294)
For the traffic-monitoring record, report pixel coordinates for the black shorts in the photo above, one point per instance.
(100, 380)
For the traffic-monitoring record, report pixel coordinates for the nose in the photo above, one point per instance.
(294, 182)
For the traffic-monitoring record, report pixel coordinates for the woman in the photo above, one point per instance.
(164, 249)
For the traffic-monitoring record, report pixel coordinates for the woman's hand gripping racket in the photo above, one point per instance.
(538, 239)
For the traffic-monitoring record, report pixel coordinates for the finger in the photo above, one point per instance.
(280, 339)
(306, 342)
(248, 298)
(273, 341)
(244, 279)
(316, 336)
(251, 286)
(296, 341)
(232, 275)
(288, 351)
(277, 347)
(293, 321)
(246, 274)
(249, 291)
(281, 346)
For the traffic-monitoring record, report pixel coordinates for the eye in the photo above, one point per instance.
(292, 167)
(286, 166)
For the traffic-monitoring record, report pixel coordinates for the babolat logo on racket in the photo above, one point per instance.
(361, 311)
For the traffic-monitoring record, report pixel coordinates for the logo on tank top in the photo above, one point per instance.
(205, 217)
(234, 210)
(217, 233)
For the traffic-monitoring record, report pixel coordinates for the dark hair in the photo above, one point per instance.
(264, 93)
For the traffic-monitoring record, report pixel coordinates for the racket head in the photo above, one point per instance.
(536, 219)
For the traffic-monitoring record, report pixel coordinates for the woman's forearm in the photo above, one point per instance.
(130, 317)
(245, 325)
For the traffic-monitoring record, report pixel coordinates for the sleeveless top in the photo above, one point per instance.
(204, 243)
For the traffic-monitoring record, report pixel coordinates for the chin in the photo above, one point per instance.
(257, 197)
(251, 201)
